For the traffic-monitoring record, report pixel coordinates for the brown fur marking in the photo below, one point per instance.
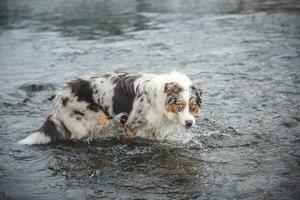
(174, 89)
(129, 132)
(102, 118)
(172, 108)
(175, 107)
(194, 107)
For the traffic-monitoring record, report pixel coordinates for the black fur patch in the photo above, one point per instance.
(65, 101)
(78, 118)
(83, 90)
(93, 107)
(124, 93)
(76, 112)
(106, 75)
(94, 77)
(49, 129)
(106, 108)
(197, 93)
(123, 118)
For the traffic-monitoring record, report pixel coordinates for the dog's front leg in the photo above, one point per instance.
(133, 126)
(129, 131)
(102, 118)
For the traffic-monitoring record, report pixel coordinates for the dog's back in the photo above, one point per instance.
(85, 103)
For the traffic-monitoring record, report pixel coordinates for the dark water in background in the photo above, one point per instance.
(245, 54)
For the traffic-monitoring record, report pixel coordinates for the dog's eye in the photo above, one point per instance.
(179, 107)
(193, 106)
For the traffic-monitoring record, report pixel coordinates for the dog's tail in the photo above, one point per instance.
(36, 138)
(51, 131)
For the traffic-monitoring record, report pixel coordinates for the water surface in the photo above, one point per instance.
(245, 55)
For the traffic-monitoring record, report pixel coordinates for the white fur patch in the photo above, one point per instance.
(35, 138)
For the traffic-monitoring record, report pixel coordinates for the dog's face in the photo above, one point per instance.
(182, 105)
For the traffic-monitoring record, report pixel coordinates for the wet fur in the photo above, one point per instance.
(151, 105)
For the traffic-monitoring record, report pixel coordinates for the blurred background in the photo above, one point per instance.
(244, 53)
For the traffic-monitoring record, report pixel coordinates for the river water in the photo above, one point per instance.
(245, 55)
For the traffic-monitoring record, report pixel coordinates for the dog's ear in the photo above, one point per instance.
(172, 88)
(197, 93)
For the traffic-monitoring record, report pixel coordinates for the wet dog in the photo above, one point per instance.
(150, 105)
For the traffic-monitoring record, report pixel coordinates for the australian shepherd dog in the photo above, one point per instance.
(150, 106)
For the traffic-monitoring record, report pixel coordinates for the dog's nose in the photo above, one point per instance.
(188, 123)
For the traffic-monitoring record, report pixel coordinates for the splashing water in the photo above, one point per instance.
(175, 136)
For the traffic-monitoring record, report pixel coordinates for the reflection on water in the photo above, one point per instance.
(109, 164)
(244, 53)
(82, 19)
(97, 19)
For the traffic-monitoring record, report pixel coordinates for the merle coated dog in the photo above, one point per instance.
(153, 105)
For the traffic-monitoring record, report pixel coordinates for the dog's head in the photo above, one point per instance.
(182, 103)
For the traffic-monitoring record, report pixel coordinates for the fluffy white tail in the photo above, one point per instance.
(35, 138)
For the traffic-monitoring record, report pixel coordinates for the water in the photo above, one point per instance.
(245, 54)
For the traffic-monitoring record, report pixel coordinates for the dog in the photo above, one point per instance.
(149, 105)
